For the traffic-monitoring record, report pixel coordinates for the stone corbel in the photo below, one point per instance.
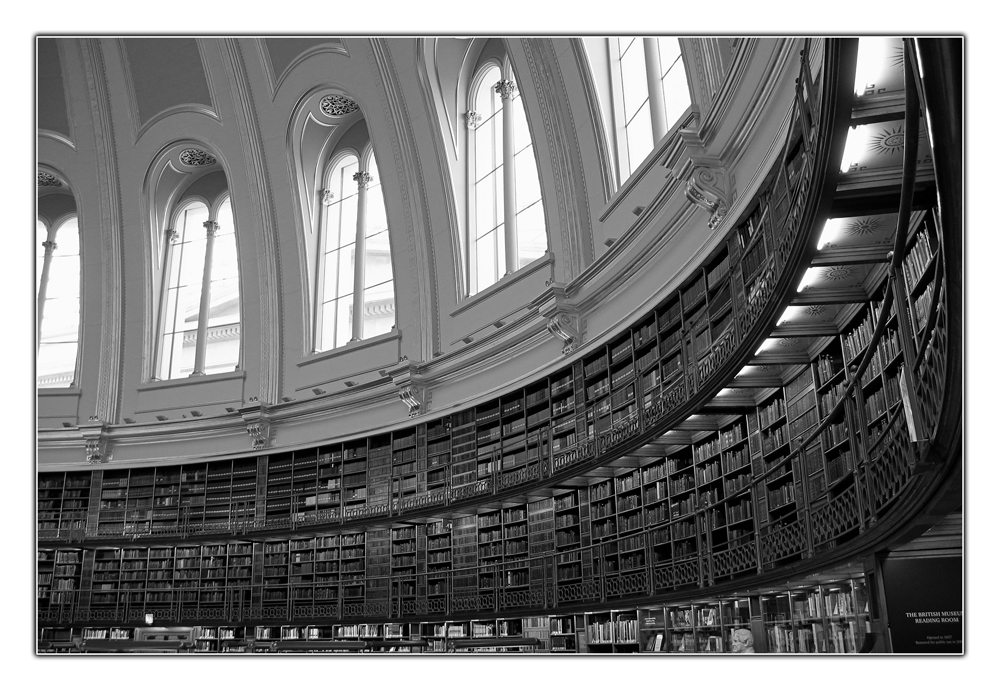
(412, 389)
(563, 319)
(707, 188)
(255, 415)
(94, 438)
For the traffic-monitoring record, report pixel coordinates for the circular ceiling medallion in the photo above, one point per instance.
(815, 310)
(197, 157)
(865, 226)
(336, 105)
(887, 142)
(48, 180)
(838, 273)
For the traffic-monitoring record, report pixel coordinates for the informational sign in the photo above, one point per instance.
(924, 604)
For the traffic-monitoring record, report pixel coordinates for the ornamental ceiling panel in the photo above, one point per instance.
(874, 230)
(52, 109)
(166, 73)
(282, 52)
(879, 146)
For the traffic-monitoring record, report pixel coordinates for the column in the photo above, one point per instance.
(43, 284)
(657, 113)
(506, 89)
(211, 227)
(358, 318)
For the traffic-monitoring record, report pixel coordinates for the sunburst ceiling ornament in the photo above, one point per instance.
(197, 157)
(865, 226)
(815, 310)
(789, 342)
(839, 273)
(48, 180)
(336, 105)
(887, 142)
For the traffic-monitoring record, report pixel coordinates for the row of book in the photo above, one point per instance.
(918, 258)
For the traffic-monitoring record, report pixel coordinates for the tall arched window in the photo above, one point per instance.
(355, 263)
(58, 311)
(651, 93)
(200, 331)
(506, 220)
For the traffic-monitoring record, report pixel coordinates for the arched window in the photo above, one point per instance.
(506, 220)
(651, 92)
(355, 263)
(200, 323)
(58, 312)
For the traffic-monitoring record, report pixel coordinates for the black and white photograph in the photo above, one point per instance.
(498, 345)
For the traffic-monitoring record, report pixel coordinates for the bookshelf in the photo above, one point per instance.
(562, 634)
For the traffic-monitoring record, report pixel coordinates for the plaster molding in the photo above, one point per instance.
(265, 223)
(571, 199)
(708, 188)
(95, 441)
(417, 215)
(563, 319)
(112, 345)
(411, 386)
(258, 421)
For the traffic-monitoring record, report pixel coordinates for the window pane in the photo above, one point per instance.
(375, 221)
(522, 136)
(183, 363)
(487, 205)
(676, 94)
(222, 353)
(378, 262)
(61, 320)
(345, 264)
(486, 269)
(56, 364)
(531, 241)
(41, 234)
(526, 179)
(670, 50)
(640, 138)
(487, 100)
(328, 339)
(68, 239)
(343, 319)
(633, 69)
(380, 309)
(486, 149)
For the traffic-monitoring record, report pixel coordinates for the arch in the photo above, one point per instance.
(196, 315)
(506, 227)
(59, 291)
(330, 148)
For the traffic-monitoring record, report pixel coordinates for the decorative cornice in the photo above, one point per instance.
(412, 390)
(258, 422)
(563, 319)
(707, 189)
(95, 441)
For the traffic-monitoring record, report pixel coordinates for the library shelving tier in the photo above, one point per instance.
(665, 459)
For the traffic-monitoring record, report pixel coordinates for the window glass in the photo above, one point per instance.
(59, 332)
(223, 347)
(186, 267)
(379, 297)
(639, 138)
(338, 258)
(676, 94)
